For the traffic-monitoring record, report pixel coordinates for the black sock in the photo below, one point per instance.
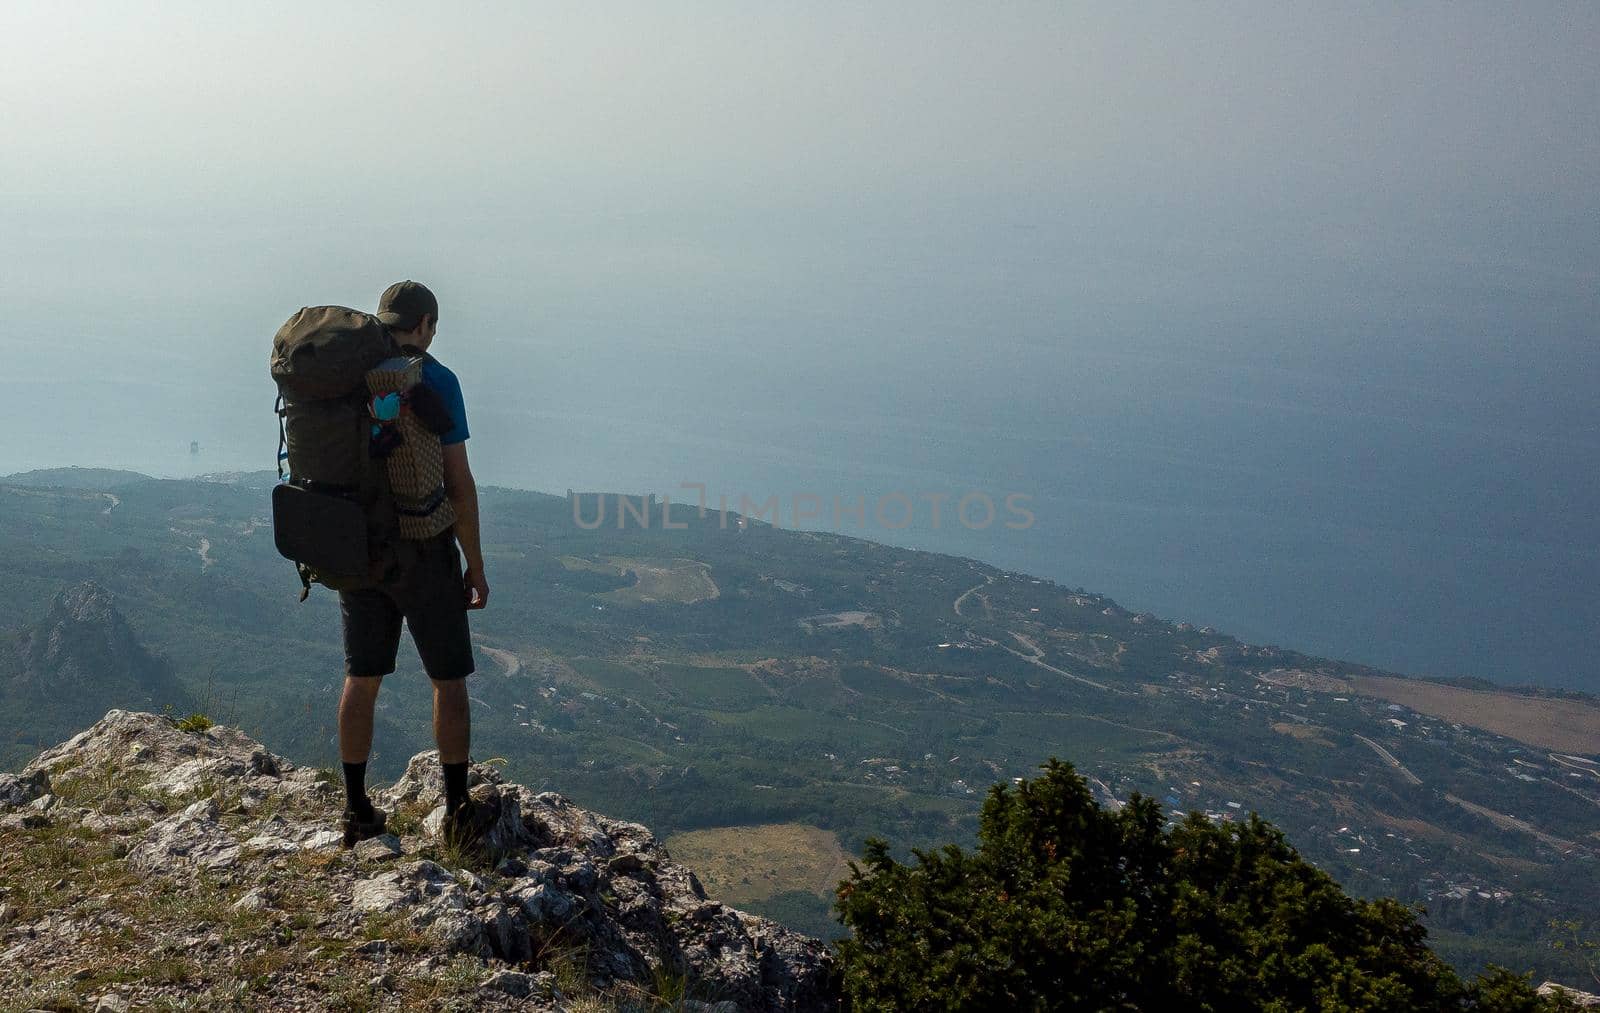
(355, 788)
(455, 785)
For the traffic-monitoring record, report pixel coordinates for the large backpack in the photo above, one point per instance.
(333, 511)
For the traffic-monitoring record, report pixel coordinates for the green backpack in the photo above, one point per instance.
(333, 511)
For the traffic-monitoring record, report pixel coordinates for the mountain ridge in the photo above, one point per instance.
(82, 650)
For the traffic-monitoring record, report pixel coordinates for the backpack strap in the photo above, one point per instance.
(283, 439)
(281, 411)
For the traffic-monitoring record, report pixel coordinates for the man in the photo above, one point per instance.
(432, 597)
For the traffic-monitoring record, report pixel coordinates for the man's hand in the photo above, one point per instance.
(463, 493)
(475, 587)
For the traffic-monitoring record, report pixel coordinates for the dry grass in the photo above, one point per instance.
(105, 787)
(34, 863)
(1567, 726)
(674, 581)
(1410, 826)
(1305, 733)
(738, 865)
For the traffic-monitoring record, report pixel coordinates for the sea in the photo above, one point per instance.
(1397, 472)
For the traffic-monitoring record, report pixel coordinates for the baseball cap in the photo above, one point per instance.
(404, 304)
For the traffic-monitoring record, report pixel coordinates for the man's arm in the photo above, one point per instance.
(463, 493)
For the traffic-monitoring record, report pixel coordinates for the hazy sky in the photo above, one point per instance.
(222, 147)
(619, 199)
(1236, 265)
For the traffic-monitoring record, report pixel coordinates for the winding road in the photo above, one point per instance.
(963, 595)
(505, 659)
(1037, 655)
(1389, 758)
(1038, 659)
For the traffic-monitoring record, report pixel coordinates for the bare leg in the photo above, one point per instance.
(355, 717)
(452, 721)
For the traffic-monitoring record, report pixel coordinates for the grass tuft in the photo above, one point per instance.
(195, 722)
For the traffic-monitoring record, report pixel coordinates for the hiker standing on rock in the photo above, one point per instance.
(374, 497)
(432, 596)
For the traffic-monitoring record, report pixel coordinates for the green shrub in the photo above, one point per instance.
(1067, 906)
(196, 722)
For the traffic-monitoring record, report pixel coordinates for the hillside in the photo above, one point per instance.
(146, 865)
(727, 677)
(74, 478)
(54, 672)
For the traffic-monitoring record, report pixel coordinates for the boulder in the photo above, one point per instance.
(189, 840)
(19, 789)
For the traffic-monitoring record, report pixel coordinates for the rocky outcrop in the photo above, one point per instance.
(79, 636)
(84, 651)
(557, 888)
(17, 791)
(1572, 996)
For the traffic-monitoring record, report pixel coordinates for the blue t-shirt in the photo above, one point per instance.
(444, 383)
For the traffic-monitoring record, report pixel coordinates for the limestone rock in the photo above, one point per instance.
(378, 848)
(423, 781)
(322, 840)
(20, 789)
(1583, 1000)
(111, 1002)
(521, 985)
(134, 741)
(606, 888)
(191, 839)
(385, 892)
(253, 901)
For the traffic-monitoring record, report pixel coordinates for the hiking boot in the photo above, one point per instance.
(358, 826)
(467, 826)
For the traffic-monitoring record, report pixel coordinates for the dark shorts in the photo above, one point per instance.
(429, 598)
